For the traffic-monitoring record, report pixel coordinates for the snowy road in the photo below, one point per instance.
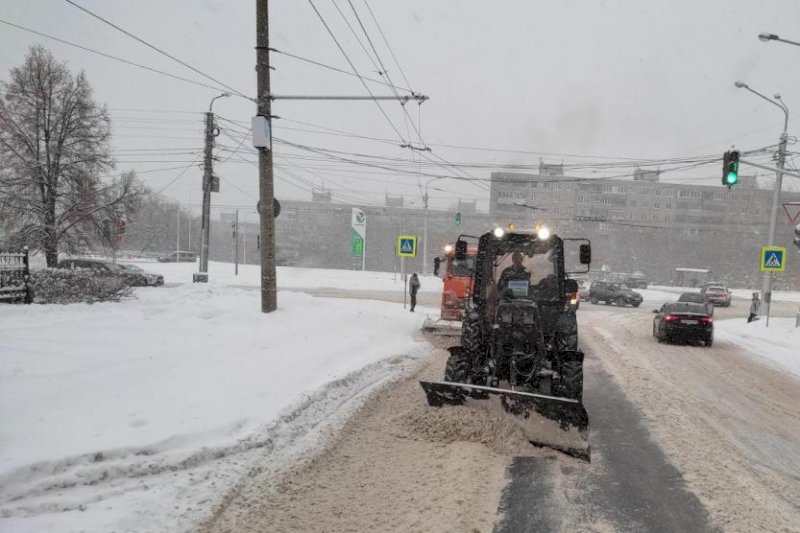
(729, 423)
(685, 439)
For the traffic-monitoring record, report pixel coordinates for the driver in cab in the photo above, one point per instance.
(516, 271)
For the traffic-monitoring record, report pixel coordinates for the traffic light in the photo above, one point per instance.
(730, 168)
(797, 236)
(458, 219)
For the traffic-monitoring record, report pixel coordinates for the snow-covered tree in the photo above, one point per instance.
(54, 151)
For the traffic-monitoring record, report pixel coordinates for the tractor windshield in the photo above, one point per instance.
(526, 274)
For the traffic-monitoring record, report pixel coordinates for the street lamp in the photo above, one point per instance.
(207, 179)
(766, 37)
(766, 287)
(425, 226)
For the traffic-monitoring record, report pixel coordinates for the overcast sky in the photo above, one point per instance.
(597, 81)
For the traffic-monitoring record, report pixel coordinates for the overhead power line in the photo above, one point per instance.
(109, 56)
(160, 51)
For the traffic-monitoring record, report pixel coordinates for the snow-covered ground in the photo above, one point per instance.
(140, 415)
(292, 278)
(778, 344)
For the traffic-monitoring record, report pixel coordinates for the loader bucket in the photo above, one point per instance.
(558, 423)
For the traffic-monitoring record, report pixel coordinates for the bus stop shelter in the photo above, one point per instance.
(690, 277)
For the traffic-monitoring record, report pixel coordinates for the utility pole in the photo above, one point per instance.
(236, 243)
(208, 188)
(266, 207)
(773, 219)
(208, 169)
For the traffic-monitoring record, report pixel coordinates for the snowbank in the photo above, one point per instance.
(291, 277)
(779, 343)
(130, 408)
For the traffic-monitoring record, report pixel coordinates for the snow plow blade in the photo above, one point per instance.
(442, 327)
(558, 423)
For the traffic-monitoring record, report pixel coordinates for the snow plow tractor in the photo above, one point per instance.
(519, 353)
(456, 277)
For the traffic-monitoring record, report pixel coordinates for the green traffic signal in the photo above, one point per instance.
(458, 219)
(732, 177)
(730, 168)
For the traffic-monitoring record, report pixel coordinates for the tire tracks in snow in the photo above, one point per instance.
(731, 425)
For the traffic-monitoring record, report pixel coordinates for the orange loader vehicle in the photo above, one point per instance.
(457, 276)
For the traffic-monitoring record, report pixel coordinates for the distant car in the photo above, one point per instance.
(131, 277)
(697, 298)
(140, 277)
(685, 321)
(178, 257)
(636, 281)
(583, 291)
(717, 295)
(618, 293)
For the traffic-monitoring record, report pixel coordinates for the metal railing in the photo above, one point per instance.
(15, 277)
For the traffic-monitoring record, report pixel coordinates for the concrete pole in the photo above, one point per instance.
(236, 244)
(269, 289)
(773, 219)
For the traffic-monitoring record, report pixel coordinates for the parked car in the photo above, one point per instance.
(697, 298)
(132, 277)
(618, 293)
(140, 277)
(685, 321)
(717, 295)
(635, 281)
(178, 257)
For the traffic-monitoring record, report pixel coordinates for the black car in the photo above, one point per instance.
(618, 293)
(690, 322)
(133, 276)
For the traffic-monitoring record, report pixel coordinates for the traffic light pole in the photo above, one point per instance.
(773, 215)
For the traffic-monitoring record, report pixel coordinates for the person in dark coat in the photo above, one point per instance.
(413, 288)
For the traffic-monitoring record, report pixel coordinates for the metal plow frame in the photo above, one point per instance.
(558, 423)
(442, 327)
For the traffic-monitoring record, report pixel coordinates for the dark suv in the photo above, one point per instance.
(618, 293)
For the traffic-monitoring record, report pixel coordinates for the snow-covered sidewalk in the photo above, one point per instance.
(778, 344)
(140, 415)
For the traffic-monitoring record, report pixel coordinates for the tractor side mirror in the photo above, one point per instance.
(585, 253)
(571, 286)
(436, 265)
(461, 250)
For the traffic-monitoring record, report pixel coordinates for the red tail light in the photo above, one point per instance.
(671, 318)
(707, 320)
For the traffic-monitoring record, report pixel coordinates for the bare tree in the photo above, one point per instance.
(54, 148)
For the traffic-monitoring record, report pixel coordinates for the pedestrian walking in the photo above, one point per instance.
(413, 288)
(755, 305)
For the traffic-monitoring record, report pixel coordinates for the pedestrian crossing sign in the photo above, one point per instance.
(406, 246)
(773, 259)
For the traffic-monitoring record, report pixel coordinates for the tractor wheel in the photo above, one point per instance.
(458, 367)
(567, 332)
(571, 385)
(471, 334)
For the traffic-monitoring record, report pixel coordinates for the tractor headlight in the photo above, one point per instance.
(499, 232)
(543, 233)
